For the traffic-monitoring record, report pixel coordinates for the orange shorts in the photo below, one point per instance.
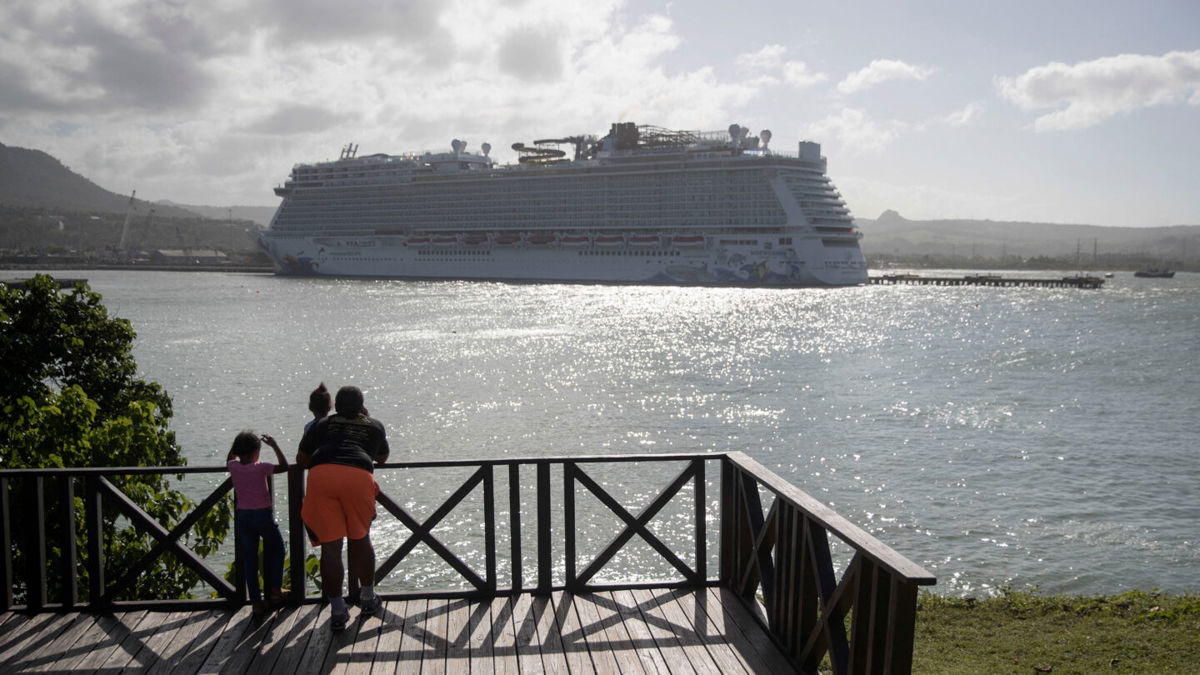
(339, 503)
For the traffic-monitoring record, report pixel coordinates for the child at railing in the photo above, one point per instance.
(254, 517)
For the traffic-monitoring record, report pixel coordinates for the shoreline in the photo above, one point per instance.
(240, 269)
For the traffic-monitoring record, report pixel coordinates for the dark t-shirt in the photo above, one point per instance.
(357, 441)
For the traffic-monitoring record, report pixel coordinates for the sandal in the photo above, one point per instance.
(278, 599)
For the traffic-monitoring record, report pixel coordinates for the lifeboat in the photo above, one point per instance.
(688, 240)
(475, 239)
(610, 240)
(507, 239)
(418, 241)
(575, 240)
(542, 239)
(644, 240)
(445, 240)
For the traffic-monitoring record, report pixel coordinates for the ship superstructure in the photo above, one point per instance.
(641, 204)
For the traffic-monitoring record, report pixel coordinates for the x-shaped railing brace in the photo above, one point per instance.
(633, 525)
(423, 532)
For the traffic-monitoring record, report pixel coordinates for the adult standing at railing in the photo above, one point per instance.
(340, 452)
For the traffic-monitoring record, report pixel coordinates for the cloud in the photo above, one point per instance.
(796, 73)
(532, 54)
(854, 128)
(769, 60)
(295, 119)
(80, 57)
(769, 57)
(879, 71)
(1094, 91)
(965, 115)
(167, 96)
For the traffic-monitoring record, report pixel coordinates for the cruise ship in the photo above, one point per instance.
(641, 204)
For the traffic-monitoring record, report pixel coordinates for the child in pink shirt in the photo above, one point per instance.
(254, 516)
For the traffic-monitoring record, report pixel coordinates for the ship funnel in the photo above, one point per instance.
(486, 147)
(457, 146)
(735, 130)
(765, 136)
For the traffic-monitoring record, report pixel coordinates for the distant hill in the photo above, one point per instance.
(34, 179)
(256, 214)
(893, 235)
(46, 207)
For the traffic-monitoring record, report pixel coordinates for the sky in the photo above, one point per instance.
(1049, 111)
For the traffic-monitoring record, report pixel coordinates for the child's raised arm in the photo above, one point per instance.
(282, 464)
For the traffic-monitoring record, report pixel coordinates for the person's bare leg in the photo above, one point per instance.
(332, 569)
(361, 555)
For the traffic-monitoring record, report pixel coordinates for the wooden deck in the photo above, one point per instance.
(630, 631)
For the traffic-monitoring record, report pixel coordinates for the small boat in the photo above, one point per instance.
(507, 239)
(542, 239)
(418, 241)
(644, 240)
(475, 239)
(576, 240)
(1155, 273)
(688, 240)
(445, 240)
(610, 240)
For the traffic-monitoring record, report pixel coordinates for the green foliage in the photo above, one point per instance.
(71, 398)
(312, 570)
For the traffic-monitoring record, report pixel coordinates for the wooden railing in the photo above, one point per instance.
(781, 561)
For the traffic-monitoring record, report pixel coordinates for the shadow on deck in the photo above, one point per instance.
(641, 631)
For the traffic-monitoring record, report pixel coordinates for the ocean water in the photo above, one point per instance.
(1034, 438)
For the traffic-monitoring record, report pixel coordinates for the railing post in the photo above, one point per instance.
(35, 549)
(514, 510)
(569, 525)
(70, 557)
(6, 568)
(93, 512)
(295, 490)
(545, 570)
(728, 553)
(489, 526)
(701, 510)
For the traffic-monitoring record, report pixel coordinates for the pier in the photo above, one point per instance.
(1088, 282)
(769, 581)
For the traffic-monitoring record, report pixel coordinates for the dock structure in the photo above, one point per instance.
(1088, 282)
(754, 586)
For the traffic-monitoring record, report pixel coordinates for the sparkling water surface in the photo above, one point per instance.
(997, 436)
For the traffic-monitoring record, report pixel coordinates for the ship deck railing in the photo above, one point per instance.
(756, 575)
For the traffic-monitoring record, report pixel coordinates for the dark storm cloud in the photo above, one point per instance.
(296, 119)
(531, 54)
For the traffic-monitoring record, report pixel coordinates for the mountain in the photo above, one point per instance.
(257, 214)
(894, 235)
(34, 179)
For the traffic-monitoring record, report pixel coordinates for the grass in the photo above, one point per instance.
(1018, 632)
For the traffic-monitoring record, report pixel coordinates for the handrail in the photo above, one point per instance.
(779, 562)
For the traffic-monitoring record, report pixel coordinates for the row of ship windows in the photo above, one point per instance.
(354, 223)
(736, 199)
(684, 215)
(643, 254)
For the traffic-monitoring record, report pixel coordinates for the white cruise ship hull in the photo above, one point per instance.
(641, 205)
(764, 263)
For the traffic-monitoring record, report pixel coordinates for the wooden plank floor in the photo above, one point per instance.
(645, 631)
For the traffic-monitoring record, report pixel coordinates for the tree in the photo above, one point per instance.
(71, 398)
